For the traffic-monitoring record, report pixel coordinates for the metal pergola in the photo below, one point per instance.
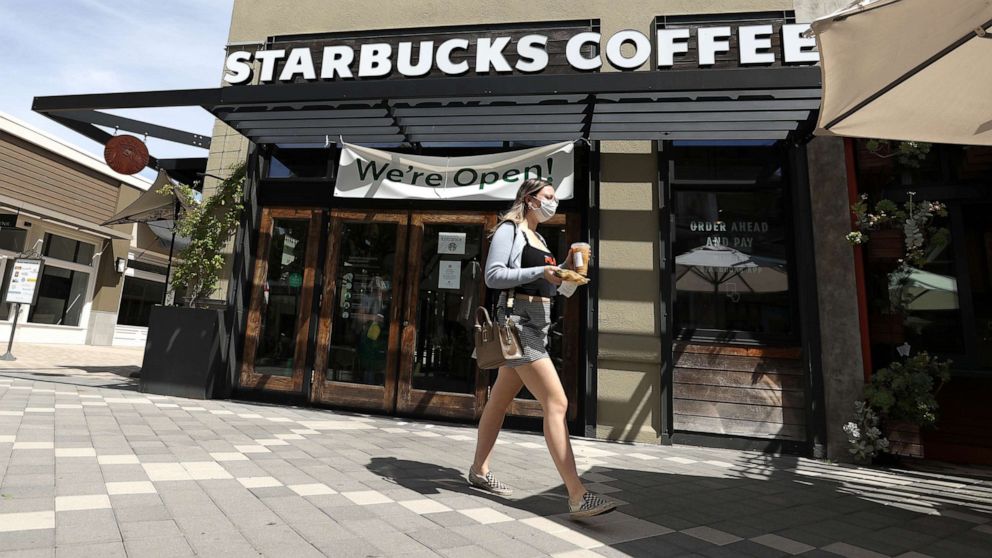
(707, 104)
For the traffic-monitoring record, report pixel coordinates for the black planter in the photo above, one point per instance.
(184, 353)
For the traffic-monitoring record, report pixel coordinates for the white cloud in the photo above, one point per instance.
(106, 46)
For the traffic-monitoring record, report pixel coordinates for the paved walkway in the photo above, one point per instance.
(91, 467)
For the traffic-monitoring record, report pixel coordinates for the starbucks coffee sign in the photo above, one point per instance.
(450, 54)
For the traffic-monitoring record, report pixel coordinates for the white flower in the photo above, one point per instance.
(903, 350)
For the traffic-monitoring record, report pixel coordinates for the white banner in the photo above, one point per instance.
(364, 172)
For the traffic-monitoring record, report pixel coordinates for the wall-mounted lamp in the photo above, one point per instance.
(120, 264)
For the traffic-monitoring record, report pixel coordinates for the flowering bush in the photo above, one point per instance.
(863, 434)
(907, 389)
(915, 219)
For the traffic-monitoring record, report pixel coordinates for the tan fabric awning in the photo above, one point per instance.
(150, 205)
(918, 70)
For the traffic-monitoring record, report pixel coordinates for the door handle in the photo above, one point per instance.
(405, 323)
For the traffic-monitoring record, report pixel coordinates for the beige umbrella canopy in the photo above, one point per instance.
(150, 205)
(915, 70)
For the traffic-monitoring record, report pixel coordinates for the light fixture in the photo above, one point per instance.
(120, 264)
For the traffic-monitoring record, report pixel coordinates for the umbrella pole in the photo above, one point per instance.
(172, 244)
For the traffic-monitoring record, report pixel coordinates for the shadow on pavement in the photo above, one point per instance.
(812, 504)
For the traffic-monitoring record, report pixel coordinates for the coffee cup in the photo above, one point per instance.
(579, 254)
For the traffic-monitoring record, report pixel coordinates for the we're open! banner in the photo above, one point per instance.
(364, 172)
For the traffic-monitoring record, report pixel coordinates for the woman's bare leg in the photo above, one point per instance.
(507, 386)
(542, 380)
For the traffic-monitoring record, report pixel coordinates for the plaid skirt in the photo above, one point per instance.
(533, 320)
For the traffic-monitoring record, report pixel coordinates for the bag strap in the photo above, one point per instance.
(509, 292)
(485, 321)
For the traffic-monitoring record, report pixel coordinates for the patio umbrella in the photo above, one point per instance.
(916, 289)
(724, 269)
(159, 212)
(915, 70)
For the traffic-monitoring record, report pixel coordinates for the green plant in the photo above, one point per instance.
(907, 389)
(863, 434)
(914, 219)
(908, 153)
(208, 224)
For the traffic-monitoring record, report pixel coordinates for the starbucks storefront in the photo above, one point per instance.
(675, 147)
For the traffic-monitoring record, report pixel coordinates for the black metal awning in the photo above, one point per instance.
(708, 104)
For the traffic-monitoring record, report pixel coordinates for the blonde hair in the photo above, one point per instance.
(518, 211)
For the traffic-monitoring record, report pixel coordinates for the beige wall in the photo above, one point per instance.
(629, 340)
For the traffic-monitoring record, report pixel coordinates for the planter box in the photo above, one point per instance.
(904, 438)
(885, 247)
(184, 352)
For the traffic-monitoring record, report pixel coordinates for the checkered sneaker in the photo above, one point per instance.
(488, 482)
(591, 504)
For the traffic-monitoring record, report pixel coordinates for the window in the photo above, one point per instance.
(7, 265)
(67, 249)
(298, 161)
(61, 296)
(137, 299)
(732, 244)
(12, 238)
(146, 266)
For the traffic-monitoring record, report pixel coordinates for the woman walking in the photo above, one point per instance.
(521, 265)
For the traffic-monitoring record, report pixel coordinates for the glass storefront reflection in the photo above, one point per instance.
(731, 262)
(281, 297)
(450, 280)
(362, 303)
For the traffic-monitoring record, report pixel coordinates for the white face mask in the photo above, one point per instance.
(546, 210)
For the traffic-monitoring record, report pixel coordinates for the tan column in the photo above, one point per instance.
(629, 359)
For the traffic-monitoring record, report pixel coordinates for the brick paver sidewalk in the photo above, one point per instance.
(90, 467)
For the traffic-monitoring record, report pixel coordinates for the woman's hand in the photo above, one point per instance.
(549, 275)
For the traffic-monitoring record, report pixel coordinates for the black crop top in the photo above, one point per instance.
(535, 257)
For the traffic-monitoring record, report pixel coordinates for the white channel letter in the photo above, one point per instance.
(709, 45)
(336, 60)
(404, 58)
(299, 61)
(614, 49)
(793, 43)
(237, 64)
(668, 46)
(489, 54)
(444, 62)
(374, 60)
(753, 38)
(533, 58)
(573, 51)
(268, 59)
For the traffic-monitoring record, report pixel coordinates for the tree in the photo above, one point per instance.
(208, 223)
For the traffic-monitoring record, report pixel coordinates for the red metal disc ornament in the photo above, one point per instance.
(125, 154)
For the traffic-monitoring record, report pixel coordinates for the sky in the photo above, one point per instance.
(65, 47)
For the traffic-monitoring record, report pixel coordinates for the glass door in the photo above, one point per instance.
(359, 331)
(563, 336)
(438, 375)
(275, 353)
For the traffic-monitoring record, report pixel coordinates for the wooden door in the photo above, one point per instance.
(275, 352)
(447, 257)
(358, 335)
(563, 337)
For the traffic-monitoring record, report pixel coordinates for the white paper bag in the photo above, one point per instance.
(567, 288)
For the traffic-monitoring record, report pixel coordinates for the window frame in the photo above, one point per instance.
(87, 292)
(733, 336)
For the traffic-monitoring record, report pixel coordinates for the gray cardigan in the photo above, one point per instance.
(507, 247)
